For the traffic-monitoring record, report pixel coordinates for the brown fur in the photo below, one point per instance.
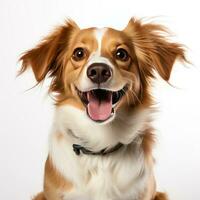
(160, 196)
(39, 196)
(54, 183)
(152, 48)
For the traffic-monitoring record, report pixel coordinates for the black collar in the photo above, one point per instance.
(78, 149)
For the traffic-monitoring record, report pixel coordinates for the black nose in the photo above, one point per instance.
(99, 72)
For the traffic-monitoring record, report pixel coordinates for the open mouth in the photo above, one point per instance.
(100, 103)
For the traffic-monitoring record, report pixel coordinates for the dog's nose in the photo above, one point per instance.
(99, 73)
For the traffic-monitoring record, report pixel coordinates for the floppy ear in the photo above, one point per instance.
(152, 48)
(44, 58)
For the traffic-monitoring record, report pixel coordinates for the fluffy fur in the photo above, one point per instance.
(128, 172)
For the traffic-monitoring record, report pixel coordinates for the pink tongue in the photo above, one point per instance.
(99, 110)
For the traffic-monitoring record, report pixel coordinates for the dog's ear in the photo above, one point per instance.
(152, 48)
(43, 59)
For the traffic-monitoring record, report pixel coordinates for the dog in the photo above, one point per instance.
(100, 145)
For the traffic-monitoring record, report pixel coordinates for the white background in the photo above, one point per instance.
(25, 117)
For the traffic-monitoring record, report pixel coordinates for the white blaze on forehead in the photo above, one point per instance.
(96, 57)
(99, 33)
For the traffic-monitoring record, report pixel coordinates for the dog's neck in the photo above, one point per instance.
(79, 129)
(78, 149)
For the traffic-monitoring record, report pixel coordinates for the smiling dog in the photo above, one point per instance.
(100, 146)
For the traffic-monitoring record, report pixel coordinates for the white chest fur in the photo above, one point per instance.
(120, 175)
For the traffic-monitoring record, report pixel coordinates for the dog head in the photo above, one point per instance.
(100, 71)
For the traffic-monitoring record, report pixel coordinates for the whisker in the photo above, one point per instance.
(128, 100)
(132, 97)
(136, 96)
(127, 97)
(133, 94)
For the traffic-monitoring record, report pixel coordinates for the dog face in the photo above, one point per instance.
(105, 71)
(101, 71)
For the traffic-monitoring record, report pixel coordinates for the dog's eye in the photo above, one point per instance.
(122, 54)
(78, 54)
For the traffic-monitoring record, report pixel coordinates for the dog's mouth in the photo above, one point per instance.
(100, 103)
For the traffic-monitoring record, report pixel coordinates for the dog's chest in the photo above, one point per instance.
(120, 175)
(114, 177)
